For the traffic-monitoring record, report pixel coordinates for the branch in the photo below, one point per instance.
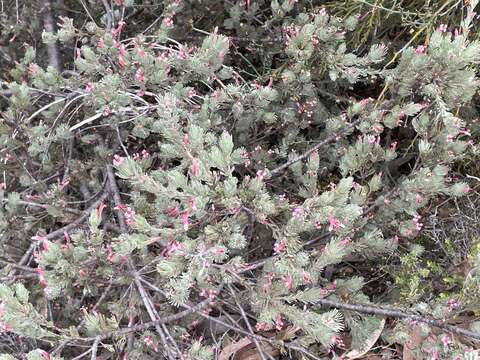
(332, 138)
(52, 50)
(396, 313)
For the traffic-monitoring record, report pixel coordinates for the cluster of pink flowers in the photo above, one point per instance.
(297, 212)
(334, 224)
(453, 304)
(117, 160)
(420, 50)
(211, 294)
(168, 22)
(128, 213)
(261, 174)
(289, 32)
(279, 324)
(149, 342)
(172, 246)
(416, 222)
(288, 282)
(260, 326)
(144, 155)
(279, 247)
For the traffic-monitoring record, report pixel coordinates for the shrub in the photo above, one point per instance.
(157, 187)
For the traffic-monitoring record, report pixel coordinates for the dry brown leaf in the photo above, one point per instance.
(245, 349)
(233, 348)
(356, 353)
(415, 340)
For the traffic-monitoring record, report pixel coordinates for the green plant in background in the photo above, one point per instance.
(158, 186)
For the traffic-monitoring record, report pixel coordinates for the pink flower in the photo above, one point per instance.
(168, 22)
(139, 75)
(191, 93)
(297, 212)
(420, 49)
(306, 277)
(334, 224)
(261, 326)
(41, 276)
(172, 211)
(107, 111)
(443, 28)
(195, 168)
(323, 12)
(33, 68)
(171, 248)
(467, 189)
(279, 323)
(279, 247)
(446, 340)
(127, 212)
(117, 160)
(346, 241)
(184, 217)
(417, 223)
(182, 55)
(149, 342)
(288, 282)
(418, 198)
(261, 174)
(453, 304)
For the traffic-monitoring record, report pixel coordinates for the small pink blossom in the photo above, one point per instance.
(172, 211)
(279, 247)
(453, 304)
(467, 189)
(261, 174)
(288, 282)
(182, 55)
(420, 49)
(446, 340)
(346, 241)
(191, 93)
(139, 75)
(195, 168)
(149, 342)
(418, 198)
(171, 248)
(168, 22)
(279, 323)
(107, 111)
(334, 224)
(128, 213)
(417, 223)
(261, 326)
(297, 211)
(117, 160)
(185, 221)
(443, 28)
(306, 277)
(323, 12)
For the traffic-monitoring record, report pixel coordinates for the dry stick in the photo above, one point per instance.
(52, 50)
(95, 348)
(328, 140)
(245, 320)
(396, 313)
(112, 184)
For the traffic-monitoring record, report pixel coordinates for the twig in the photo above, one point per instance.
(153, 314)
(396, 313)
(108, 14)
(95, 348)
(247, 322)
(52, 50)
(332, 138)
